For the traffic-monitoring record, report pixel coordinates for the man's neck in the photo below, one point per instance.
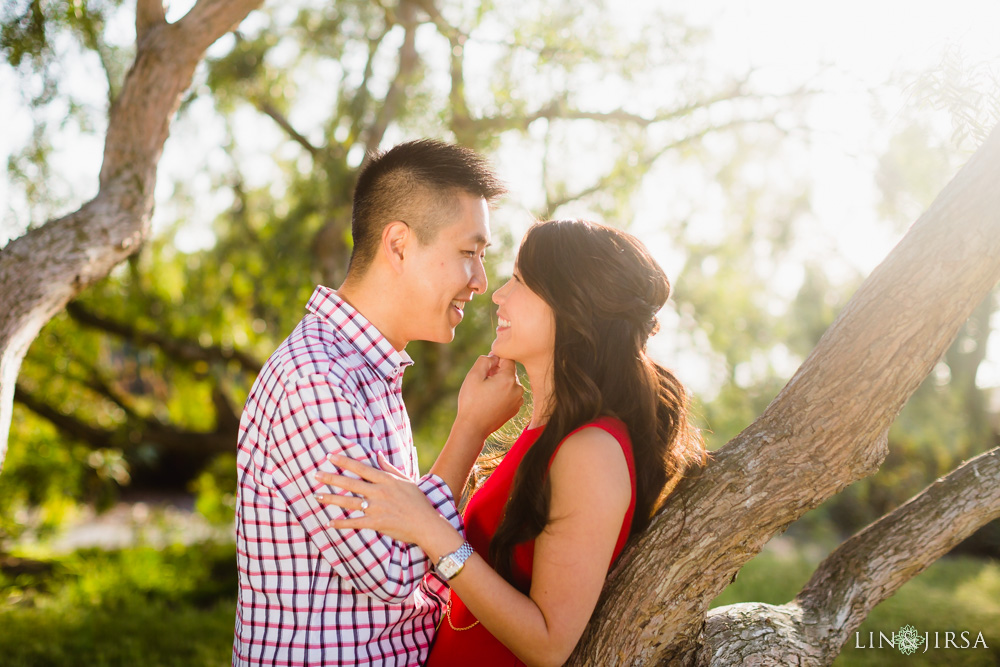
(370, 302)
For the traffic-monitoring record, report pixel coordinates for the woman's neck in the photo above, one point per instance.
(540, 377)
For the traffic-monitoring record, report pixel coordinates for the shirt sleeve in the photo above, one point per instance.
(314, 420)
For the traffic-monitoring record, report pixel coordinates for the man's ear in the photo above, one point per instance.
(395, 241)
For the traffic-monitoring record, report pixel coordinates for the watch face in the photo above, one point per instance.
(448, 567)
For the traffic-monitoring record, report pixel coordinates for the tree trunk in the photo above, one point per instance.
(43, 270)
(826, 429)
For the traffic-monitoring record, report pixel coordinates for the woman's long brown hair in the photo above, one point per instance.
(605, 290)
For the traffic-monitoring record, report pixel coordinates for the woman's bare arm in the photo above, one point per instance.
(590, 495)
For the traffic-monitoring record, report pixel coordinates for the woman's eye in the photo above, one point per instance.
(469, 253)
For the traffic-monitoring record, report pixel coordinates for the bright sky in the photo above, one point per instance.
(862, 44)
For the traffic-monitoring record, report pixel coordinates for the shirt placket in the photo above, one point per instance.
(402, 422)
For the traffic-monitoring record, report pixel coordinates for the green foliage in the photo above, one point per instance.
(42, 478)
(22, 35)
(171, 606)
(968, 92)
(215, 490)
(773, 577)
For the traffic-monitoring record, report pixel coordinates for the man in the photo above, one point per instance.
(311, 595)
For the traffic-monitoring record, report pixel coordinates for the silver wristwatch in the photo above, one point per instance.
(452, 564)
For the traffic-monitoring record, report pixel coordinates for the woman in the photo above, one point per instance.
(608, 433)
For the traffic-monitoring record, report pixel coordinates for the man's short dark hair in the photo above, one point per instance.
(417, 183)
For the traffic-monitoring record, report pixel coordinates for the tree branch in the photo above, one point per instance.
(148, 15)
(198, 445)
(461, 122)
(268, 108)
(608, 179)
(558, 109)
(210, 19)
(360, 100)
(97, 383)
(825, 430)
(184, 350)
(96, 438)
(408, 61)
(865, 570)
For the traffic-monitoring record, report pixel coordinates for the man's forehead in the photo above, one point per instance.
(472, 222)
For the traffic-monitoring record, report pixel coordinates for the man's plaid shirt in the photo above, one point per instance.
(308, 594)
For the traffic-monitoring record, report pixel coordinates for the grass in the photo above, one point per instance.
(176, 606)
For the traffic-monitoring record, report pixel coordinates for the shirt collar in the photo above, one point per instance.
(386, 360)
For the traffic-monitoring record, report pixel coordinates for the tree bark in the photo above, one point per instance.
(826, 429)
(41, 271)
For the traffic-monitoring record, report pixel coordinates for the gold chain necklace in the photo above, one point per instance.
(447, 612)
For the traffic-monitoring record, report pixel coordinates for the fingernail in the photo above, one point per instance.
(319, 496)
(331, 456)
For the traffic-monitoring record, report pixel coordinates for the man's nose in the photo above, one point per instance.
(479, 282)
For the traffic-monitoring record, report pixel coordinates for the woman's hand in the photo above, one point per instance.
(390, 503)
(490, 395)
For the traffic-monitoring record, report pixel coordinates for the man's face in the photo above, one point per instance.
(443, 275)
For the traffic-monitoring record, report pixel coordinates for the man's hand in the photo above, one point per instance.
(491, 394)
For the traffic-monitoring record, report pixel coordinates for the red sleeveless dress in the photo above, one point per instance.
(475, 645)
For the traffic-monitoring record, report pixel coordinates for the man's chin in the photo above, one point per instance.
(445, 336)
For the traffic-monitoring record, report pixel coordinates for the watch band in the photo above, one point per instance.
(450, 565)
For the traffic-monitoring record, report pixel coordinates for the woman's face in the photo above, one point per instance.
(526, 328)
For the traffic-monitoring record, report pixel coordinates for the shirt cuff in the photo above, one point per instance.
(441, 498)
(436, 587)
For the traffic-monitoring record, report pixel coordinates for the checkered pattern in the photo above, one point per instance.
(311, 595)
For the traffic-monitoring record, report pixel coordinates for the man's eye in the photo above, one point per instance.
(469, 253)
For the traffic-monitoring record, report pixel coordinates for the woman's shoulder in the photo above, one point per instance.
(601, 442)
(614, 429)
(592, 462)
